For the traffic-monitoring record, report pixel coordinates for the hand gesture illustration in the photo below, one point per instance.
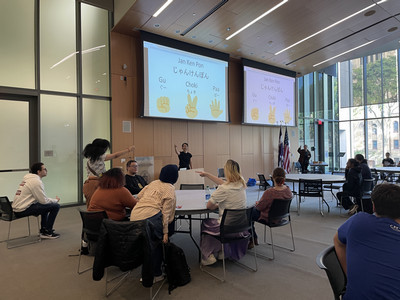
(254, 114)
(271, 115)
(286, 116)
(190, 108)
(215, 111)
(163, 104)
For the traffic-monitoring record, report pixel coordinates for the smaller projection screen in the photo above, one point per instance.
(181, 83)
(269, 97)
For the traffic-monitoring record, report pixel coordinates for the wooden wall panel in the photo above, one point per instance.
(179, 134)
(195, 138)
(235, 142)
(143, 137)
(223, 138)
(162, 138)
(247, 166)
(122, 52)
(247, 139)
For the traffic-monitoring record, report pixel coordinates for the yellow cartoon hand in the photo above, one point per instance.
(190, 108)
(163, 104)
(271, 115)
(215, 111)
(286, 116)
(254, 113)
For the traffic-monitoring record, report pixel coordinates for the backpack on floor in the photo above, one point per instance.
(176, 267)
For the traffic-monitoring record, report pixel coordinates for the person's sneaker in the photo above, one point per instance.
(47, 234)
(250, 245)
(209, 261)
(353, 210)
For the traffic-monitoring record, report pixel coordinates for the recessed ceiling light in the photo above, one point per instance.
(156, 25)
(193, 14)
(210, 41)
(392, 29)
(330, 26)
(177, 31)
(228, 29)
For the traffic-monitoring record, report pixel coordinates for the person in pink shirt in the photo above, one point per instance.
(278, 191)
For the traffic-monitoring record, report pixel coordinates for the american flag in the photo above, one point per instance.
(280, 149)
(286, 153)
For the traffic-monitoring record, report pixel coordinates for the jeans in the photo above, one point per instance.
(157, 238)
(48, 213)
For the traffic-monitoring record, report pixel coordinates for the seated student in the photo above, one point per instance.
(365, 170)
(352, 186)
(133, 182)
(30, 199)
(112, 196)
(368, 246)
(261, 209)
(156, 203)
(230, 194)
(387, 161)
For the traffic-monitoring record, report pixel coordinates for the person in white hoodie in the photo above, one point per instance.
(31, 200)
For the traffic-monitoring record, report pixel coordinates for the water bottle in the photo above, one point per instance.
(208, 193)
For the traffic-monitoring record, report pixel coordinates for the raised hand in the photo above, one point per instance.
(163, 104)
(215, 108)
(271, 115)
(286, 116)
(190, 108)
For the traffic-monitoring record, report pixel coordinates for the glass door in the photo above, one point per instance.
(15, 152)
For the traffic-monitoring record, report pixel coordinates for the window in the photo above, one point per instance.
(396, 144)
(375, 144)
(395, 127)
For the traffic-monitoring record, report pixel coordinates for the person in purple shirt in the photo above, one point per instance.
(368, 248)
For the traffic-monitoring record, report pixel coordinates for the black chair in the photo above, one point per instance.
(328, 261)
(91, 222)
(233, 222)
(312, 188)
(365, 200)
(278, 216)
(125, 245)
(7, 214)
(192, 186)
(263, 184)
(330, 187)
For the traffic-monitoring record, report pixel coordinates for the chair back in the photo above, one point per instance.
(262, 179)
(6, 210)
(192, 186)
(91, 223)
(328, 261)
(234, 221)
(367, 185)
(310, 188)
(279, 209)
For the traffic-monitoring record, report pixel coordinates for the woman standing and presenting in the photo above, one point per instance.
(156, 203)
(185, 158)
(231, 194)
(262, 207)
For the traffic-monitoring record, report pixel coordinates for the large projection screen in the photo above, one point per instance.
(182, 84)
(269, 98)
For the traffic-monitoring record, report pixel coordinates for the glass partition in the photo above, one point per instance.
(59, 146)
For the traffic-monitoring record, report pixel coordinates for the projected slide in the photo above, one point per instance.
(182, 85)
(269, 98)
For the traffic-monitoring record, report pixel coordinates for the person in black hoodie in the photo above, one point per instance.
(352, 186)
(365, 170)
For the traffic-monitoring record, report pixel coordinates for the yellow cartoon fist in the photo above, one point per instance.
(215, 110)
(254, 114)
(190, 108)
(286, 116)
(163, 104)
(271, 115)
